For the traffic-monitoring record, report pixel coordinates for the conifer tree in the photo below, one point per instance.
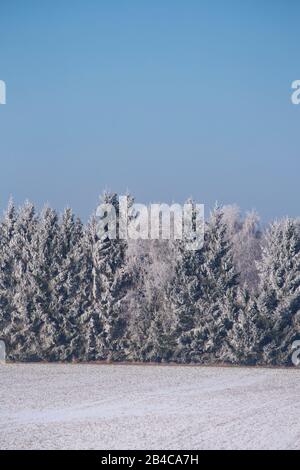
(217, 304)
(91, 328)
(184, 293)
(279, 300)
(113, 280)
(43, 268)
(21, 338)
(7, 229)
(66, 286)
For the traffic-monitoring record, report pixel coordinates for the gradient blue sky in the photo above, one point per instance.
(168, 99)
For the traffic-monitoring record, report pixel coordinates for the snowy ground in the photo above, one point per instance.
(148, 407)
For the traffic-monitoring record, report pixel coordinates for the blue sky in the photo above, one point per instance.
(168, 99)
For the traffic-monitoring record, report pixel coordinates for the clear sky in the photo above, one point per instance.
(166, 98)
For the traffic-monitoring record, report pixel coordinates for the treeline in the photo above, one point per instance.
(67, 295)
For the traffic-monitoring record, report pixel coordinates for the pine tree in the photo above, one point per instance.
(66, 287)
(91, 328)
(184, 293)
(21, 338)
(217, 305)
(279, 300)
(113, 280)
(7, 228)
(43, 269)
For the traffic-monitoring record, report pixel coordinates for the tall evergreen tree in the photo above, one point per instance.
(279, 300)
(43, 268)
(21, 339)
(7, 229)
(184, 294)
(217, 305)
(91, 328)
(114, 283)
(66, 287)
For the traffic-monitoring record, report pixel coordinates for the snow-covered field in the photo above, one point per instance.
(55, 406)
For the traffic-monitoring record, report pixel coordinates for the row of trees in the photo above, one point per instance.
(66, 294)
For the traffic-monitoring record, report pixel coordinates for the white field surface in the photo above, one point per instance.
(57, 406)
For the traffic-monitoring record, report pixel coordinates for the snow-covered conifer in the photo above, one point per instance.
(19, 330)
(184, 293)
(217, 305)
(43, 269)
(91, 329)
(113, 279)
(279, 299)
(7, 228)
(66, 286)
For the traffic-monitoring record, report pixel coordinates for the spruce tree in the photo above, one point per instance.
(113, 279)
(43, 268)
(7, 229)
(21, 337)
(217, 304)
(279, 299)
(66, 286)
(91, 328)
(184, 293)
